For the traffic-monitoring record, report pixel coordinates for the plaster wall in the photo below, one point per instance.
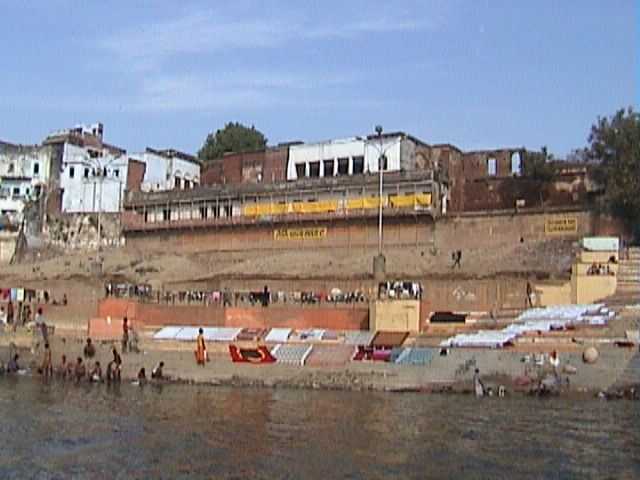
(395, 315)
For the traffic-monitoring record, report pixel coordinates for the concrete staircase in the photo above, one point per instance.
(630, 377)
(628, 281)
(626, 301)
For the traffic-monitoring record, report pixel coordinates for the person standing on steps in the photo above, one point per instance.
(47, 362)
(201, 349)
(478, 384)
(125, 334)
(457, 256)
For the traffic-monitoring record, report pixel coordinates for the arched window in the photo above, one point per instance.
(516, 163)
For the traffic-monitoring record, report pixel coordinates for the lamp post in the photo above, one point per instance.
(378, 129)
(379, 261)
(100, 175)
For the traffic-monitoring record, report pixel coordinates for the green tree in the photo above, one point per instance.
(538, 165)
(615, 144)
(234, 137)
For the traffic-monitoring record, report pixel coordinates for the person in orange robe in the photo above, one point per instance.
(201, 349)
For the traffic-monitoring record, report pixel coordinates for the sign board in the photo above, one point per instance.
(601, 244)
(561, 226)
(300, 233)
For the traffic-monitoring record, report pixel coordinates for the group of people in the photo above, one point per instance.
(599, 269)
(85, 368)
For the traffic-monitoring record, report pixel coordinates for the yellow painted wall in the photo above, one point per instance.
(394, 315)
(591, 288)
(596, 257)
(553, 294)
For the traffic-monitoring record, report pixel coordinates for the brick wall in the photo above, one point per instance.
(464, 231)
(151, 314)
(211, 173)
(275, 164)
(298, 317)
(135, 175)
(268, 165)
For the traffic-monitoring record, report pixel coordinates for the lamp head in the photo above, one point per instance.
(378, 129)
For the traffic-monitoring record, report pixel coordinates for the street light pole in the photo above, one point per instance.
(100, 176)
(380, 169)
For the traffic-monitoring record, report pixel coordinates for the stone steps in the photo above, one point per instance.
(630, 375)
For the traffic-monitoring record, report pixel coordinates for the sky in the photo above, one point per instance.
(476, 74)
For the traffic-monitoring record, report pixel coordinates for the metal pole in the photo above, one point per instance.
(378, 130)
(100, 213)
(380, 207)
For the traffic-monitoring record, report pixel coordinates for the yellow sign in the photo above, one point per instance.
(300, 233)
(561, 226)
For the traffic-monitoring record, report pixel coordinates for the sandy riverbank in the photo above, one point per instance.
(450, 373)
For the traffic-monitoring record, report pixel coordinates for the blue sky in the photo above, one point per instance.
(477, 74)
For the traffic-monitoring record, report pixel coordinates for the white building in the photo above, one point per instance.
(168, 170)
(92, 180)
(352, 156)
(24, 174)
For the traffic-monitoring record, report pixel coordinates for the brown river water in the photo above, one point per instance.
(62, 430)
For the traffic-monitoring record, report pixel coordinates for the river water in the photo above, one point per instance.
(61, 430)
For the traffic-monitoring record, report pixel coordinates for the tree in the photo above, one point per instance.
(234, 137)
(615, 144)
(538, 165)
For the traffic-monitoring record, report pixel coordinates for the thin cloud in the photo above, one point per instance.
(146, 47)
(173, 92)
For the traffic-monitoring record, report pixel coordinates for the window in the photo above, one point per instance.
(72, 172)
(16, 191)
(116, 173)
(328, 168)
(358, 164)
(300, 170)
(516, 163)
(383, 163)
(86, 172)
(176, 182)
(187, 184)
(11, 168)
(36, 168)
(491, 167)
(314, 169)
(343, 166)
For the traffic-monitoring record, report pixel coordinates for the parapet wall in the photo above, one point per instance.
(153, 314)
(108, 322)
(450, 232)
(298, 318)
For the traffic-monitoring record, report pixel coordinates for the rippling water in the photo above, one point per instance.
(60, 430)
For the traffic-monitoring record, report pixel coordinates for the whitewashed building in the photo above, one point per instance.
(168, 170)
(351, 156)
(92, 180)
(24, 175)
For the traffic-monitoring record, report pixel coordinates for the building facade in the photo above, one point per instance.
(25, 172)
(266, 165)
(167, 170)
